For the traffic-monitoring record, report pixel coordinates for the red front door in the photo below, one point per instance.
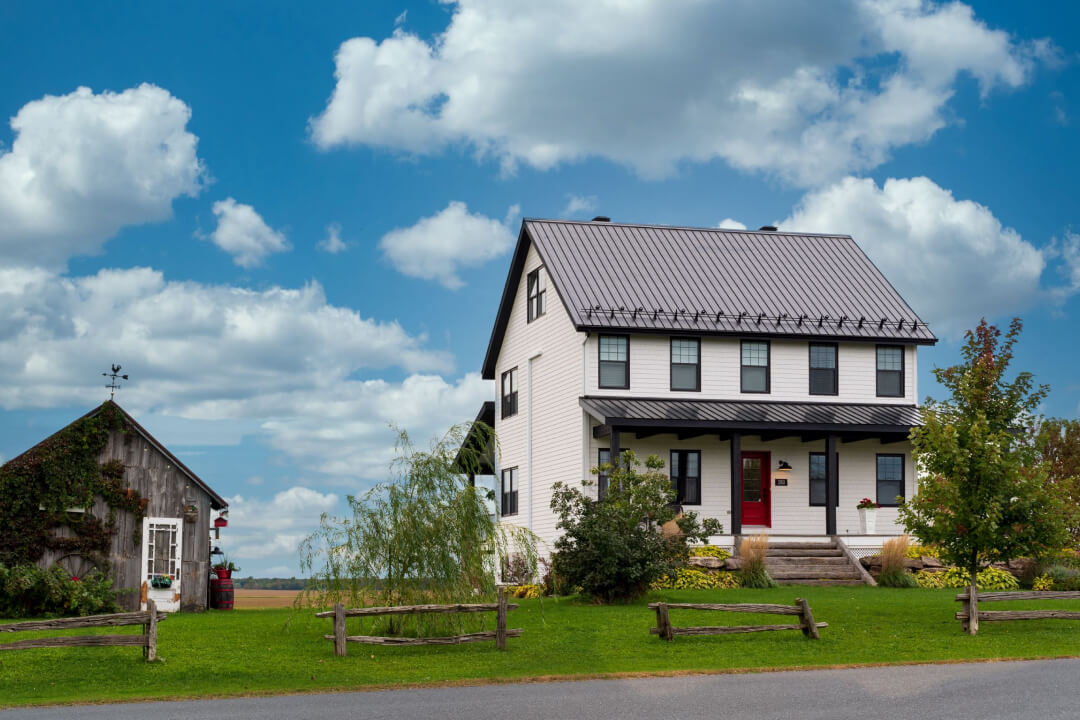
(756, 482)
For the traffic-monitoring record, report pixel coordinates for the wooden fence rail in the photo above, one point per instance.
(147, 641)
(801, 608)
(499, 634)
(970, 616)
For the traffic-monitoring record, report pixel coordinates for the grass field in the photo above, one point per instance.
(279, 651)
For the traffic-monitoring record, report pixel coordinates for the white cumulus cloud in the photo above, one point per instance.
(579, 205)
(84, 165)
(269, 531)
(243, 233)
(439, 246)
(333, 243)
(731, 224)
(800, 89)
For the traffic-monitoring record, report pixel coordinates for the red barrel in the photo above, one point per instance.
(221, 593)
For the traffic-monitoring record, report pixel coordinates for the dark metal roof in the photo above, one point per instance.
(738, 415)
(707, 281)
(474, 441)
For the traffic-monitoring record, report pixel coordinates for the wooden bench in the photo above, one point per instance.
(499, 634)
(970, 616)
(801, 608)
(147, 641)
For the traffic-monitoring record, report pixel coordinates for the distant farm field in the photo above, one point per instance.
(263, 599)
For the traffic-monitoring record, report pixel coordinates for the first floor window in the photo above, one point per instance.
(755, 367)
(686, 476)
(819, 481)
(603, 478)
(890, 371)
(823, 380)
(510, 491)
(890, 479)
(614, 361)
(509, 393)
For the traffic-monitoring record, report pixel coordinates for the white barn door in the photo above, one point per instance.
(162, 557)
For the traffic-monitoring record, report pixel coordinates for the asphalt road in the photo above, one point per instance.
(1042, 690)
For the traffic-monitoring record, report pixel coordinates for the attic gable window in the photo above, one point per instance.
(537, 294)
(509, 393)
(614, 361)
(890, 371)
(823, 373)
(755, 366)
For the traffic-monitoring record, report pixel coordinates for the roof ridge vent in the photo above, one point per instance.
(601, 218)
(767, 228)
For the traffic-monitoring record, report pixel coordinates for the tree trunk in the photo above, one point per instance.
(973, 603)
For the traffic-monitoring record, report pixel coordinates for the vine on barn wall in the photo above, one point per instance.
(38, 488)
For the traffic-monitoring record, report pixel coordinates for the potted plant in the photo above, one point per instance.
(868, 516)
(224, 569)
(161, 582)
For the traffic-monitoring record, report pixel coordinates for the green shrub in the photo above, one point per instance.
(29, 591)
(1063, 578)
(1043, 583)
(695, 579)
(987, 579)
(710, 551)
(752, 571)
(897, 579)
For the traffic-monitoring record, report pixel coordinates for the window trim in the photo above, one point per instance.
(768, 367)
(513, 396)
(503, 494)
(678, 500)
(835, 368)
(600, 384)
(672, 364)
(903, 479)
(902, 371)
(809, 482)
(541, 293)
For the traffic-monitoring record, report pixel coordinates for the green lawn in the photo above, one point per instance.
(279, 651)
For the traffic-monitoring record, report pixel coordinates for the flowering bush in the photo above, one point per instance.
(867, 504)
(1043, 583)
(694, 579)
(987, 579)
(29, 591)
(527, 592)
(918, 551)
(709, 551)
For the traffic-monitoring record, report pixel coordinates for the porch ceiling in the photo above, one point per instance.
(674, 415)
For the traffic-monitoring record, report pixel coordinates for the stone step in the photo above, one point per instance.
(802, 546)
(804, 552)
(815, 573)
(807, 561)
(818, 582)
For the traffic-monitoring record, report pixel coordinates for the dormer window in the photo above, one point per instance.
(537, 286)
(509, 393)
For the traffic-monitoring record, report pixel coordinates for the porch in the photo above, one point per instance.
(799, 469)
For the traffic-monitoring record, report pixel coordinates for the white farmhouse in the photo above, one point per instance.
(774, 372)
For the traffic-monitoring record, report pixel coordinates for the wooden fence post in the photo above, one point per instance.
(663, 622)
(973, 609)
(150, 651)
(500, 621)
(339, 630)
(809, 627)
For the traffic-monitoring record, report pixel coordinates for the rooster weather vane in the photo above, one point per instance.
(116, 377)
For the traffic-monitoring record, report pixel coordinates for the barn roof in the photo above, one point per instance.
(708, 281)
(216, 501)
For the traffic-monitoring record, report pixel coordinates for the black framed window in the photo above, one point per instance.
(509, 393)
(819, 481)
(755, 366)
(603, 479)
(510, 491)
(614, 361)
(823, 372)
(537, 286)
(890, 371)
(890, 479)
(686, 364)
(686, 476)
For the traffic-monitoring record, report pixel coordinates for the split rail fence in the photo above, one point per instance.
(499, 634)
(970, 616)
(801, 608)
(147, 640)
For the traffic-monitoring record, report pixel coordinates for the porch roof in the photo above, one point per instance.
(737, 415)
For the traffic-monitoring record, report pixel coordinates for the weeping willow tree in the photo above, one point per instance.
(425, 536)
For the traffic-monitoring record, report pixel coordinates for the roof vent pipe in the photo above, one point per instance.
(767, 228)
(601, 218)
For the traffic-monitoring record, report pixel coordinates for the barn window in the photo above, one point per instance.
(162, 557)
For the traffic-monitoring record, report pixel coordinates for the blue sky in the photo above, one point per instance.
(178, 214)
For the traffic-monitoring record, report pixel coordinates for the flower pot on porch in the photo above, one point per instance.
(868, 520)
(223, 573)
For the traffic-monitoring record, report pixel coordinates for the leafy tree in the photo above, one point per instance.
(613, 548)
(982, 495)
(1057, 447)
(427, 536)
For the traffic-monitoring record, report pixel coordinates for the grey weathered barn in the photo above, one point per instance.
(176, 507)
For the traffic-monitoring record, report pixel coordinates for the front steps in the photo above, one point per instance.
(810, 563)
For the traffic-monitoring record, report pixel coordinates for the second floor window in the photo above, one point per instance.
(755, 367)
(890, 371)
(537, 294)
(685, 364)
(686, 476)
(509, 393)
(823, 374)
(614, 361)
(510, 491)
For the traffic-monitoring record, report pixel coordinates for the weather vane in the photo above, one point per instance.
(114, 385)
